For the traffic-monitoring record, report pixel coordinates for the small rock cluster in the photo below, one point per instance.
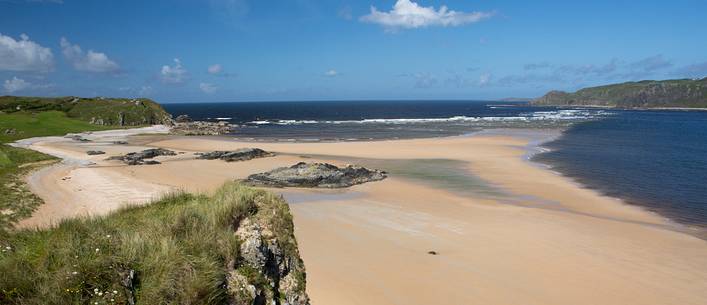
(95, 152)
(138, 158)
(321, 175)
(242, 154)
(183, 125)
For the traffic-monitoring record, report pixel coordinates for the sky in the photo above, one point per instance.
(241, 50)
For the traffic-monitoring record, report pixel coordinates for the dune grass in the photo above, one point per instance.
(16, 201)
(180, 249)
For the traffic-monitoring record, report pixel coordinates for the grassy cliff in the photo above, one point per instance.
(97, 111)
(680, 93)
(236, 247)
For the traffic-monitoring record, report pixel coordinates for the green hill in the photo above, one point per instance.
(97, 111)
(679, 93)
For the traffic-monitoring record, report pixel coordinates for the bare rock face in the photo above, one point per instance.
(270, 270)
(321, 175)
(139, 158)
(242, 154)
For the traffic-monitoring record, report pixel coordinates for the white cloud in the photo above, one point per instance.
(91, 61)
(24, 55)
(174, 74)
(207, 88)
(17, 84)
(484, 79)
(215, 69)
(410, 15)
(331, 73)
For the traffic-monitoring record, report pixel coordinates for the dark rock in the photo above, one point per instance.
(10, 131)
(315, 175)
(183, 118)
(138, 158)
(95, 152)
(120, 142)
(200, 128)
(432, 252)
(242, 154)
(78, 138)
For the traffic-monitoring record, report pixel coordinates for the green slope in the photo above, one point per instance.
(679, 93)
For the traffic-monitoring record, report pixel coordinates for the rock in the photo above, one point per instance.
(322, 175)
(78, 138)
(138, 158)
(200, 128)
(261, 250)
(183, 118)
(242, 154)
(432, 252)
(95, 152)
(10, 131)
(120, 142)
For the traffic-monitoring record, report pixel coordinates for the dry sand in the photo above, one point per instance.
(369, 244)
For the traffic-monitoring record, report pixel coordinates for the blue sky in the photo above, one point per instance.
(240, 50)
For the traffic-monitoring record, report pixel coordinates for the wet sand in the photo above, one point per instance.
(554, 243)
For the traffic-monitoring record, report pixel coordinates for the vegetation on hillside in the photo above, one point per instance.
(680, 93)
(99, 111)
(16, 201)
(183, 249)
(22, 125)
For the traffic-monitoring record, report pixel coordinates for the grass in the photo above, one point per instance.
(101, 111)
(23, 125)
(181, 248)
(16, 201)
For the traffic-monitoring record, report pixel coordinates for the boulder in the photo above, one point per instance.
(183, 118)
(95, 152)
(321, 175)
(242, 154)
(138, 158)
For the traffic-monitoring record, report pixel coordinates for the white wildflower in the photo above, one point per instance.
(98, 249)
(108, 236)
(100, 294)
(74, 273)
(8, 248)
(95, 290)
(112, 300)
(115, 292)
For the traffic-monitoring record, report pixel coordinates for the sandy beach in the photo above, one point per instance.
(523, 235)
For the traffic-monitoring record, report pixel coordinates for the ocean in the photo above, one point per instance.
(653, 158)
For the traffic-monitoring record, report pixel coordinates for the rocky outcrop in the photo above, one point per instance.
(182, 118)
(139, 158)
(201, 128)
(242, 154)
(95, 152)
(322, 175)
(269, 270)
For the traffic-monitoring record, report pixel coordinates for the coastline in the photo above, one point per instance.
(361, 245)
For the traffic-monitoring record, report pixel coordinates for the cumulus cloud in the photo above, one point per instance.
(331, 73)
(207, 88)
(24, 55)
(90, 61)
(173, 74)
(17, 84)
(410, 15)
(484, 79)
(215, 69)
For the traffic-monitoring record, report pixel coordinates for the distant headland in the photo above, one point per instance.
(678, 93)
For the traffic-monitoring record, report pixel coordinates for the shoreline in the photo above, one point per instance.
(362, 244)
